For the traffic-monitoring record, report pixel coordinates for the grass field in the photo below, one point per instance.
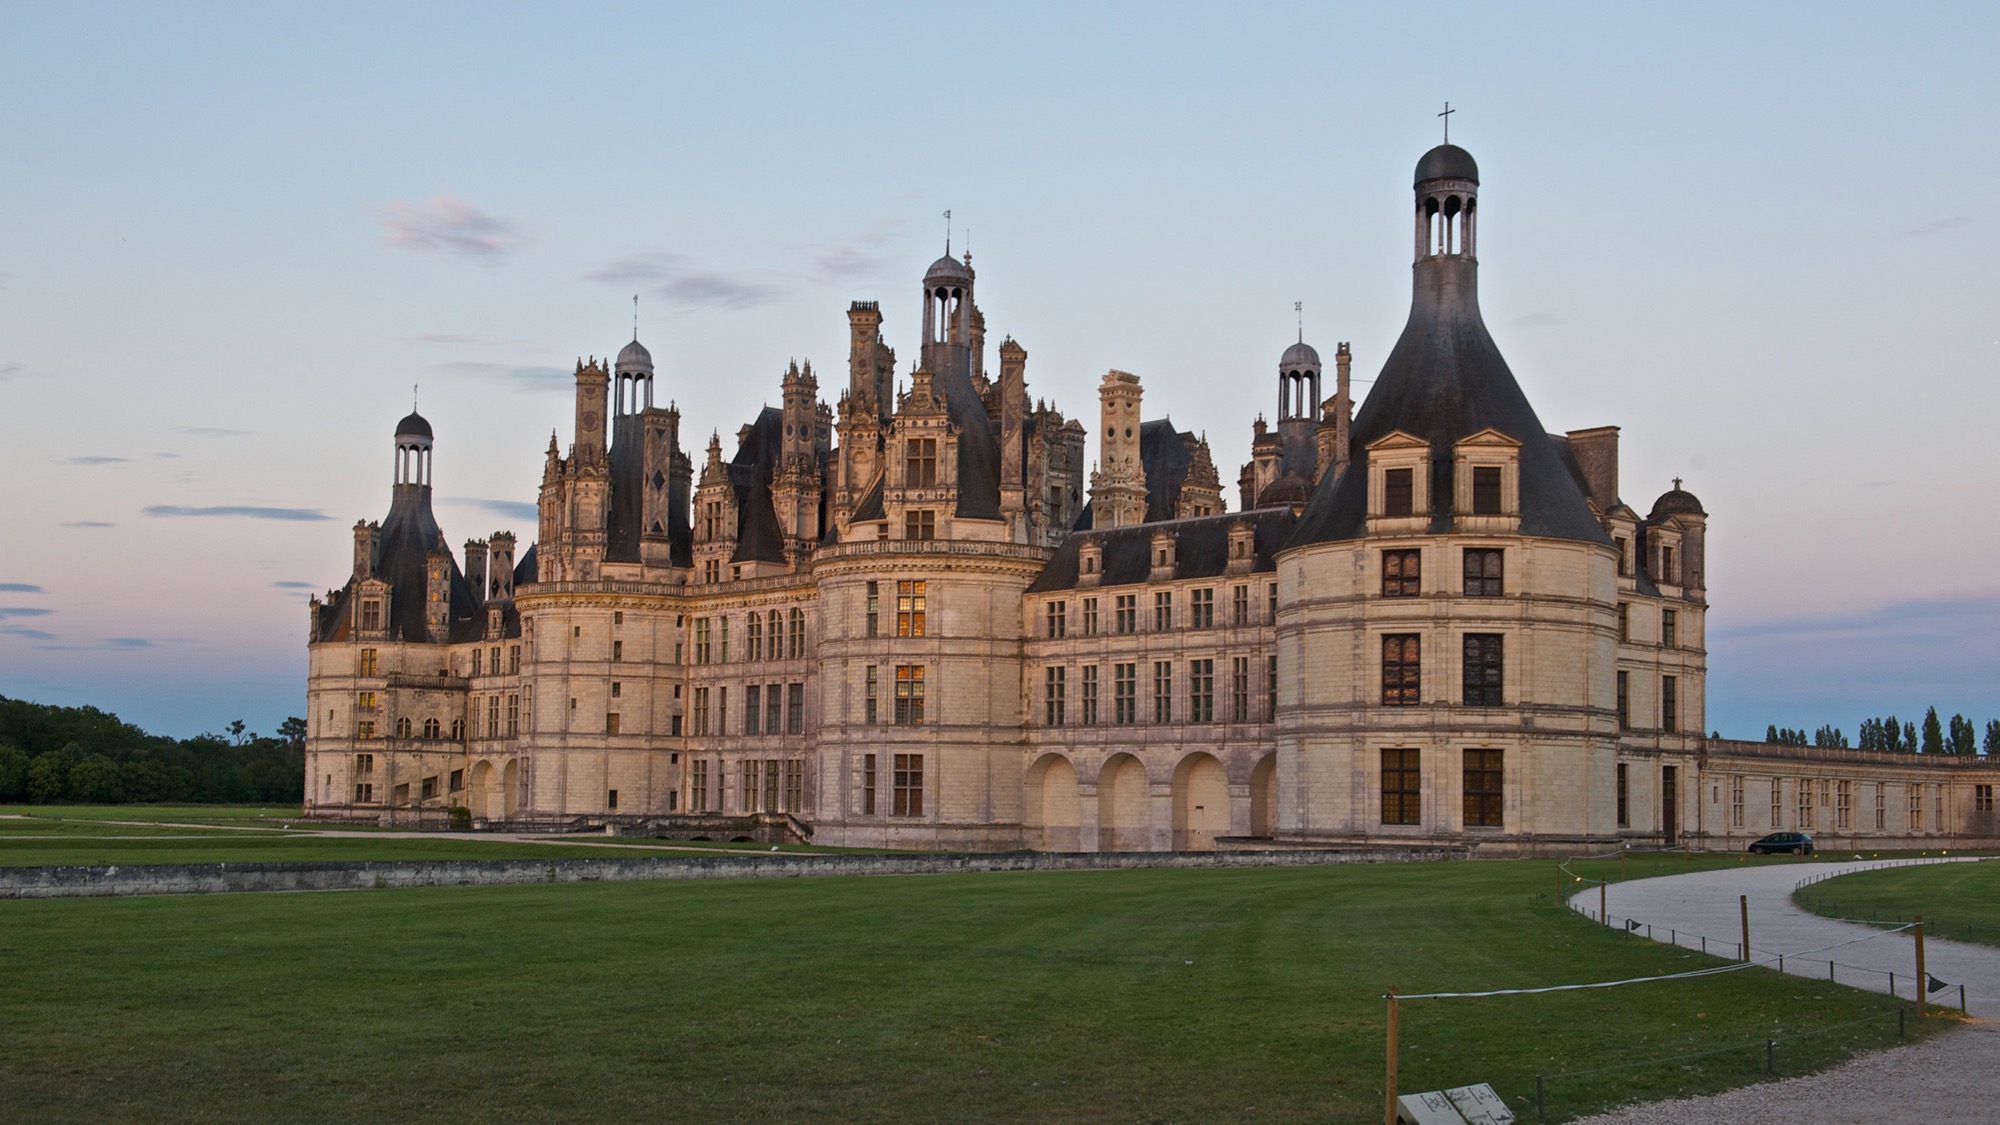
(1960, 901)
(1127, 996)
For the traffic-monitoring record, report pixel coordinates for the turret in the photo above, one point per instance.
(367, 537)
(500, 586)
(1118, 487)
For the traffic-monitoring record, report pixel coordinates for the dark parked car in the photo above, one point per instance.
(1792, 843)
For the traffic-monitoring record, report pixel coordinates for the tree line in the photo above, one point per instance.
(81, 755)
(1889, 734)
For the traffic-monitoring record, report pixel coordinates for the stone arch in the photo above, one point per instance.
(480, 797)
(1052, 809)
(1124, 806)
(1201, 803)
(1264, 797)
(510, 788)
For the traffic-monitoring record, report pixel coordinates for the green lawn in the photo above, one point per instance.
(1122, 996)
(1960, 901)
(181, 814)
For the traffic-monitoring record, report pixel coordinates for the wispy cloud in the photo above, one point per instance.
(294, 585)
(511, 509)
(1932, 616)
(1937, 226)
(211, 431)
(521, 377)
(128, 642)
(1537, 320)
(24, 611)
(442, 338)
(237, 511)
(20, 588)
(856, 256)
(93, 459)
(8, 371)
(446, 224)
(88, 523)
(682, 283)
(23, 631)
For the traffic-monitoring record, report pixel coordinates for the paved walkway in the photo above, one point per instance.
(1688, 908)
(1952, 1078)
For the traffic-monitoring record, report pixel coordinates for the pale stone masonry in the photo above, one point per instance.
(899, 621)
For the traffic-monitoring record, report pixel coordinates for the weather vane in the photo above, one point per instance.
(635, 318)
(947, 234)
(1448, 111)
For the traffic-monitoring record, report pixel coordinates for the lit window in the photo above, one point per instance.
(909, 695)
(910, 599)
(1402, 669)
(1402, 574)
(1401, 787)
(1483, 781)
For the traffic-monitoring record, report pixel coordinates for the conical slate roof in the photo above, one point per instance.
(1444, 381)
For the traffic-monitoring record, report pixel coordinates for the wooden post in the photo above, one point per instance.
(1743, 901)
(1603, 918)
(1923, 981)
(1389, 1098)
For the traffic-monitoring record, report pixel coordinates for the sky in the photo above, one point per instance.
(234, 238)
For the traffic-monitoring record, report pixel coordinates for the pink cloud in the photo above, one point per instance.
(449, 225)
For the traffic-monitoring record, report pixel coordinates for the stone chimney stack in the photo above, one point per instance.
(367, 536)
(475, 569)
(1596, 452)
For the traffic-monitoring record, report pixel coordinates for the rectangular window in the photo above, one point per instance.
(1916, 808)
(1843, 804)
(457, 780)
(796, 641)
(513, 715)
(514, 657)
(1402, 574)
(920, 462)
(1239, 689)
(868, 785)
(1054, 686)
(617, 689)
(751, 786)
(1272, 592)
(477, 663)
(874, 605)
(1125, 694)
(1670, 710)
(1624, 796)
(1482, 669)
(909, 695)
(795, 786)
(701, 640)
(1982, 798)
(1805, 804)
(364, 794)
(1398, 493)
(1482, 573)
(1667, 574)
(1127, 606)
(795, 709)
(753, 639)
(868, 698)
(1667, 630)
(1201, 609)
(493, 660)
(1163, 611)
(1778, 803)
(1937, 807)
(1486, 490)
(1201, 691)
(1090, 617)
(371, 616)
(1089, 695)
(1736, 801)
(611, 722)
(722, 640)
(1624, 622)
(1239, 598)
(698, 786)
(1402, 670)
(1483, 780)
(1058, 615)
(1163, 691)
(920, 524)
(365, 700)
(1881, 807)
(907, 795)
(368, 662)
(910, 601)
(364, 763)
(774, 709)
(493, 716)
(1271, 688)
(428, 789)
(773, 778)
(1624, 557)
(752, 708)
(1624, 701)
(701, 710)
(1401, 780)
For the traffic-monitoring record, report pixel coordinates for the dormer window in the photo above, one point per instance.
(1398, 492)
(1486, 490)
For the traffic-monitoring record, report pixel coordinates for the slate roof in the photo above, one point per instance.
(402, 560)
(1445, 380)
(758, 538)
(1163, 452)
(978, 445)
(1201, 549)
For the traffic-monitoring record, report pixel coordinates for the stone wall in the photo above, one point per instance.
(216, 878)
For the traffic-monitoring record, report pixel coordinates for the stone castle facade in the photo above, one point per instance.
(909, 620)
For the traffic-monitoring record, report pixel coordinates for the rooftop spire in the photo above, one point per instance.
(1448, 111)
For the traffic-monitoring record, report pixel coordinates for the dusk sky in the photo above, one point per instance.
(232, 237)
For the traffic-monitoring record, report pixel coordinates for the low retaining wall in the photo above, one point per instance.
(218, 878)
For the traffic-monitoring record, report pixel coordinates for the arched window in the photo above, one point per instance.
(402, 728)
(756, 638)
(798, 648)
(432, 729)
(458, 730)
(777, 636)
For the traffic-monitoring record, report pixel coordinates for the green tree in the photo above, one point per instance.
(96, 781)
(13, 773)
(292, 732)
(1933, 733)
(1993, 736)
(1909, 738)
(1964, 738)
